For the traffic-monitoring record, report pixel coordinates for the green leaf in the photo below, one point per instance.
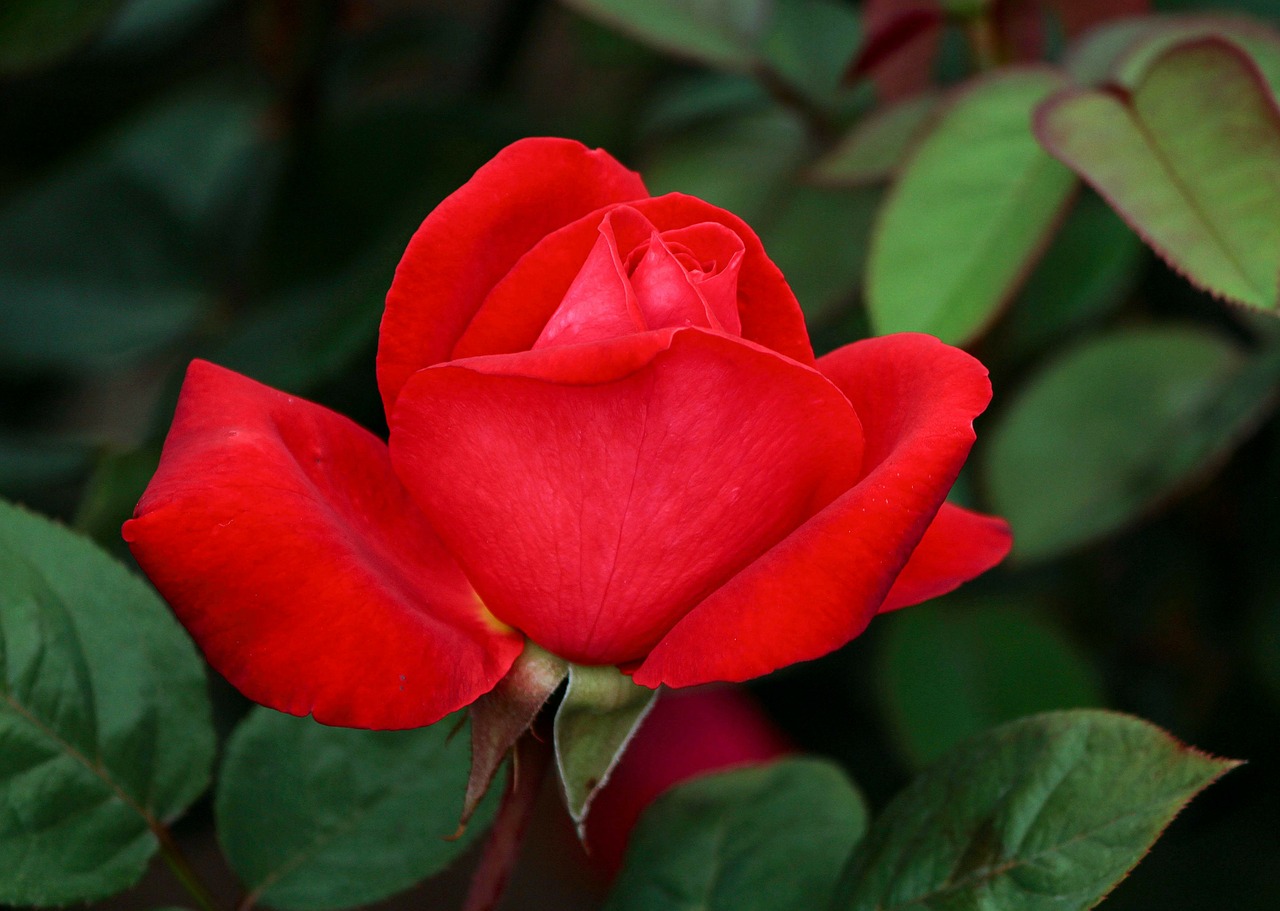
(818, 238)
(598, 716)
(971, 211)
(772, 838)
(307, 334)
(953, 668)
(114, 488)
(722, 33)
(144, 22)
(30, 461)
(35, 33)
(1044, 813)
(1190, 159)
(809, 45)
(1115, 425)
(709, 161)
(314, 817)
(105, 730)
(104, 262)
(1091, 266)
(875, 149)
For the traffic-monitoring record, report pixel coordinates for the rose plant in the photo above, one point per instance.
(609, 436)
(607, 465)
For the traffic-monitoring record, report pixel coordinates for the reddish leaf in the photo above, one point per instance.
(903, 37)
(1079, 16)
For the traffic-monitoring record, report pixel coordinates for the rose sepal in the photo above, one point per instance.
(601, 711)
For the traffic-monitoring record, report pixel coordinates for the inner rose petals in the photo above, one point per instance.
(637, 278)
(600, 303)
(591, 504)
(720, 251)
(520, 305)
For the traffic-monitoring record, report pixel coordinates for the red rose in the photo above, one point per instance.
(608, 434)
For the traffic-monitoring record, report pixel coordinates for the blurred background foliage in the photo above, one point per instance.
(235, 180)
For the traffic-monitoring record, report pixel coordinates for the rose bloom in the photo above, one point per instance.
(608, 435)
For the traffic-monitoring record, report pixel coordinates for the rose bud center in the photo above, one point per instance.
(637, 278)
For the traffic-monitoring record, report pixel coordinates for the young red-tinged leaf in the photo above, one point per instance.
(1120, 52)
(973, 209)
(876, 147)
(902, 40)
(313, 817)
(1120, 424)
(601, 711)
(105, 731)
(1078, 16)
(1048, 812)
(499, 717)
(771, 838)
(1191, 159)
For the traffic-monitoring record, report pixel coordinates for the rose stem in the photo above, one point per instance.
(502, 847)
(177, 862)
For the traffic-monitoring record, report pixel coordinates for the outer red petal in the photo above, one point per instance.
(522, 303)
(593, 493)
(958, 546)
(816, 590)
(286, 545)
(474, 237)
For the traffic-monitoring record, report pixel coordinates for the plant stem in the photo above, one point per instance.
(177, 862)
(502, 847)
(983, 41)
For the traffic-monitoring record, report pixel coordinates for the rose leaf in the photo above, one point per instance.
(955, 667)
(314, 817)
(972, 210)
(1047, 812)
(875, 149)
(769, 838)
(105, 731)
(1116, 425)
(1191, 159)
(722, 33)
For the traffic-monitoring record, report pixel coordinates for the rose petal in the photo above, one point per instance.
(665, 290)
(286, 545)
(817, 589)
(722, 250)
(474, 237)
(521, 304)
(958, 546)
(593, 493)
(600, 303)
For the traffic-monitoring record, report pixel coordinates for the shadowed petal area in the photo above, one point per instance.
(286, 545)
(594, 493)
(473, 238)
(521, 304)
(958, 546)
(817, 589)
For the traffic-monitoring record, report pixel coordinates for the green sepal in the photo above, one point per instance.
(600, 713)
(501, 716)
